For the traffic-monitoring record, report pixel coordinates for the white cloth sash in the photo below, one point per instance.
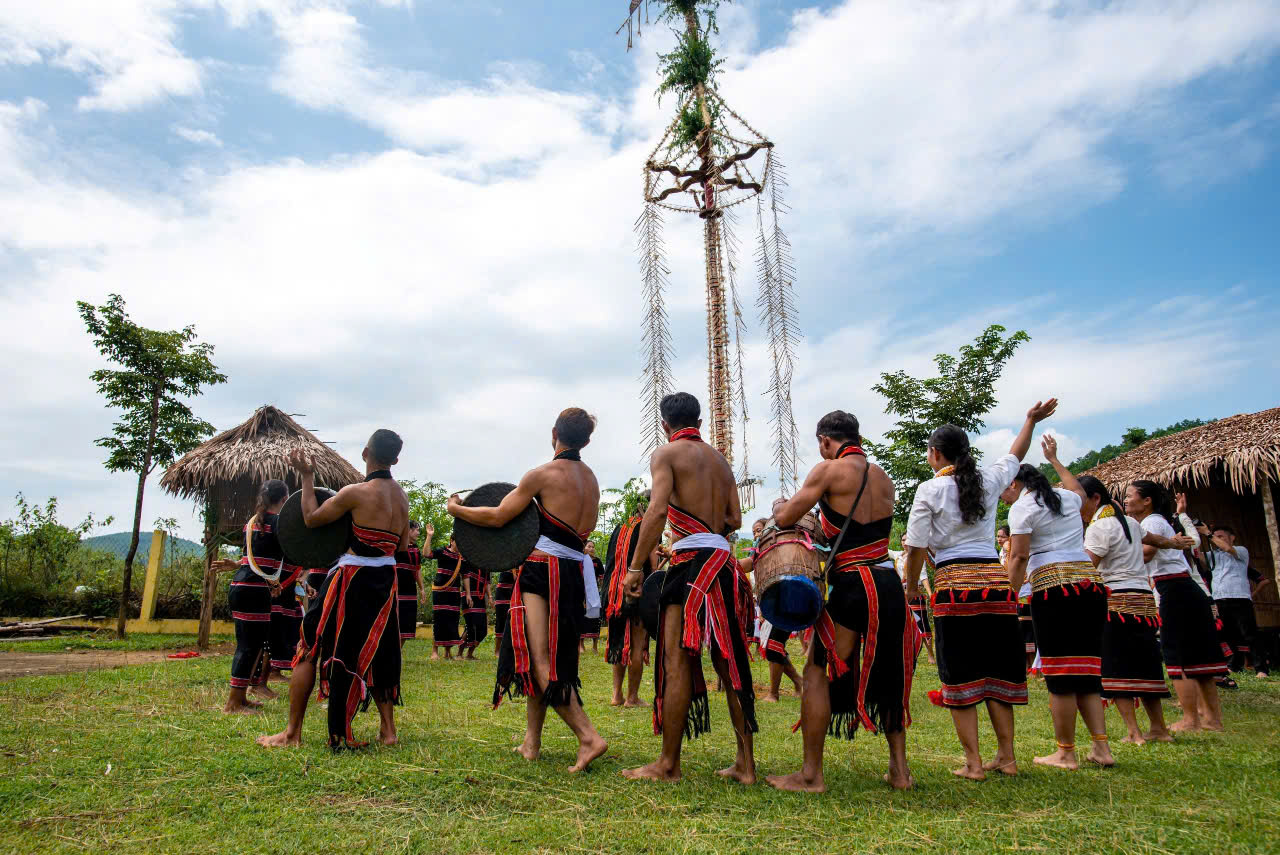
(701, 540)
(559, 550)
(350, 560)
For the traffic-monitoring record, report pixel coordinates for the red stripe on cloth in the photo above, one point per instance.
(684, 524)
(697, 598)
(1071, 666)
(258, 617)
(975, 607)
(869, 641)
(617, 584)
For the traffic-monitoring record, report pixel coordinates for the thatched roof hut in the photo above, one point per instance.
(1230, 471)
(224, 475)
(226, 471)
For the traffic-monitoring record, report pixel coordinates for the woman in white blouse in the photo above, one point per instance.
(976, 634)
(1188, 635)
(1068, 606)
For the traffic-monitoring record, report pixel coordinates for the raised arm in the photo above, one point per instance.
(655, 518)
(314, 514)
(1049, 446)
(1038, 413)
(506, 510)
(815, 486)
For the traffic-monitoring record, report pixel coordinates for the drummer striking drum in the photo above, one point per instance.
(351, 633)
(539, 654)
(697, 601)
(862, 661)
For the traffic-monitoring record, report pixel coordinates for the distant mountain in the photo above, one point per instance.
(118, 544)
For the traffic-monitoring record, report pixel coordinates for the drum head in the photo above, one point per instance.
(311, 547)
(502, 548)
(649, 597)
(792, 603)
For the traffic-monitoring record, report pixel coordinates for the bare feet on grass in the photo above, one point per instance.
(1134, 739)
(769, 698)
(740, 772)
(616, 701)
(1100, 754)
(528, 750)
(245, 708)
(899, 780)
(1185, 725)
(971, 772)
(1158, 736)
(1061, 759)
(262, 692)
(280, 740)
(655, 771)
(635, 703)
(1001, 763)
(588, 751)
(797, 782)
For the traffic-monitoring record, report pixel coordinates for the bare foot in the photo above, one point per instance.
(635, 703)
(590, 750)
(656, 771)
(434, 656)
(615, 701)
(1135, 739)
(1003, 765)
(1060, 759)
(263, 692)
(1184, 725)
(1101, 755)
(770, 698)
(277, 677)
(242, 709)
(967, 771)
(797, 782)
(899, 781)
(280, 740)
(528, 752)
(1158, 736)
(1215, 726)
(739, 773)
(388, 738)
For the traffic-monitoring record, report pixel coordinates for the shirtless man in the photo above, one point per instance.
(352, 629)
(773, 644)
(865, 640)
(628, 647)
(694, 491)
(539, 654)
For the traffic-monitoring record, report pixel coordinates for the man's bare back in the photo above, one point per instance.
(568, 490)
(844, 480)
(702, 483)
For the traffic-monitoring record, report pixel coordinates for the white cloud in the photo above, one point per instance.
(198, 136)
(437, 289)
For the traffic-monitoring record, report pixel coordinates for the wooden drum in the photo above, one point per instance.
(788, 571)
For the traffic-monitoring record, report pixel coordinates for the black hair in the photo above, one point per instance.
(384, 446)
(953, 444)
(1093, 487)
(1160, 502)
(680, 410)
(271, 493)
(1228, 529)
(574, 426)
(415, 524)
(840, 426)
(1034, 481)
(1004, 528)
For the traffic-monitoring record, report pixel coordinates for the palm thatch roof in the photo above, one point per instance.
(227, 470)
(1243, 450)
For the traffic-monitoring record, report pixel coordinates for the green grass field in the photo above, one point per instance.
(138, 759)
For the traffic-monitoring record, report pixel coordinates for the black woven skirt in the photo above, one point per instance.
(1188, 632)
(1132, 666)
(1068, 624)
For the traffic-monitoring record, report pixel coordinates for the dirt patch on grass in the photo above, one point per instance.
(18, 664)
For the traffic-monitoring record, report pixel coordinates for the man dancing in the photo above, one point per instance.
(693, 490)
(628, 648)
(351, 633)
(866, 616)
(539, 654)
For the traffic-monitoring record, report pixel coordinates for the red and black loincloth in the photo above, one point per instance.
(702, 581)
(407, 563)
(561, 583)
(446, 598)
(618, 612)
(1188, 632)
(502, 604)
(286, 620)
(872, 687)
(775, 649)
(1132, 666)
(475, 616)
(977, 639)
(352, 632)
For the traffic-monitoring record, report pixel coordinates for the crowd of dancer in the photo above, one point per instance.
(1100, 596)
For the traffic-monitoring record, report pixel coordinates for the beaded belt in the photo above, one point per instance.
(1137, 603)
(1060, 574)
(956, 577)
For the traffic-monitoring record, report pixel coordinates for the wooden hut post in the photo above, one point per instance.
(1273, 535)
(210, 577)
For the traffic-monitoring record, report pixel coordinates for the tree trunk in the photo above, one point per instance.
(127, 582)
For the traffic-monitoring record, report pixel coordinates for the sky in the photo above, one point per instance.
(418, 214)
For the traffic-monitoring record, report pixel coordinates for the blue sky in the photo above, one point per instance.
(419, 213)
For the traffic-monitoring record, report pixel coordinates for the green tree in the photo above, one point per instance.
(961, 394)
(158, 368)
(428, 504)
(1132, 438)
(39, 545)
(617, 505)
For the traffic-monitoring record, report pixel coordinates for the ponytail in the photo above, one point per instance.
(271, 493)
(1046, 497)
(1093, 487)
(953, 444)
(1161, 503)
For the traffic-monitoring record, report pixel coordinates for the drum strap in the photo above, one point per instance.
(848, 519)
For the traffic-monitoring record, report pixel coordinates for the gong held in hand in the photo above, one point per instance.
(502, 548)
(311, 547)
